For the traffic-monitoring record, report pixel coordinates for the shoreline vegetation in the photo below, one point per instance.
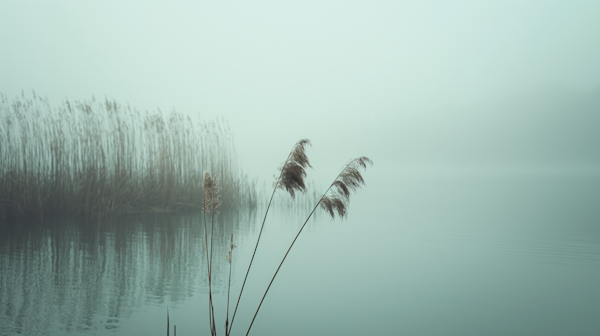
(94, 159)
(98, 158)
(334, 201)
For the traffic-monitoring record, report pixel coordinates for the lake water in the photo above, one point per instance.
(420, 254)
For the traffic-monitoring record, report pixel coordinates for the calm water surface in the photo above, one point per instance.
(495, 254)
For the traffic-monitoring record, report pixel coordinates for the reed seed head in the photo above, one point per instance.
(212, 196)
(337, 199)
(293, 170)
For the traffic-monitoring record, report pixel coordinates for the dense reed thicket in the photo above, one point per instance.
(95, 158)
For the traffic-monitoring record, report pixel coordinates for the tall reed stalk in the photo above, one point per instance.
(212, 201)
(335, 199)
(291, 179)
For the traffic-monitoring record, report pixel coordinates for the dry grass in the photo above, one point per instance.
(95, 158)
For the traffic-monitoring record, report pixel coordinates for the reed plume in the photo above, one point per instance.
(337, 197)
(335, 200)
(291, 179)
(212, 194)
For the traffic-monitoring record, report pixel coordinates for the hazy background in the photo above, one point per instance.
(482, 117)
(412, 84)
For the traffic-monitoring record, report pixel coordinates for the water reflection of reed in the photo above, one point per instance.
(99, 157)
(88, 277)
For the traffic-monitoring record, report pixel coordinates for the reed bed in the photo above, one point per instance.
(98, 157)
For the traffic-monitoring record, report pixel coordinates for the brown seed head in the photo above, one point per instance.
(337, 199)
(212, 196)
(293, 170)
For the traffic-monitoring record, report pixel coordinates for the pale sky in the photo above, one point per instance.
(417, 81)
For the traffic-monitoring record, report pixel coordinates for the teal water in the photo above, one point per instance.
(420, 254)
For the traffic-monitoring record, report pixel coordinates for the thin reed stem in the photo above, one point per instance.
(292, 179)
(212, 201)
(348, 179)
(251, 260)
(230, 259)
(212, 309)
(286, 253)
(210, 319)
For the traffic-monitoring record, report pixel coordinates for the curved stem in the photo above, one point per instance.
(212, 309)
(258, 240)
(288, 251)
(251, 260)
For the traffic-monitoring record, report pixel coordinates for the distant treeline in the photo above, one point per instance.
(95, 158)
